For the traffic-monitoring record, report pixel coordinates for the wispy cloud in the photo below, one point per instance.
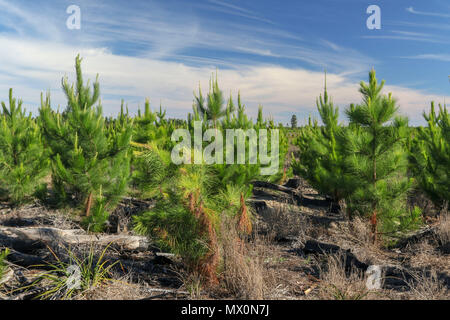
(425, 13)
(409, 36)
(232, 9)
(421, 25)
(146, 50)
(280, 90)
(151, 30)
(431, 56)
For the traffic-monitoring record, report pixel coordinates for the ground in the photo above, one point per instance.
(302, 247)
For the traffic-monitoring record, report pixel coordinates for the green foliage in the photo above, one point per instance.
(173, 222)
(364, 163)
(213, 108)
(23, 160)
(152, 127)
(90, 160)
(430, 155)
(174, 228)
(238, 174)
(153, 170)
(144, 129)
(294, 121)
(188, 209)
(377, 157)
(322, 160)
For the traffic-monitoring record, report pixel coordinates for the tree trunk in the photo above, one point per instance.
(88, 205)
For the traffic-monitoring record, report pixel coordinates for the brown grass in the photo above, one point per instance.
(243, 274)
(282, 220)
(192, 283)
(443, 230)
(120, 289)
(428, 287)
(337, 284)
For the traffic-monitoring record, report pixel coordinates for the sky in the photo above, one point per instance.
(273, 52)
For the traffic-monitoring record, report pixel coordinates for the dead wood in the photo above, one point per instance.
(29, 239)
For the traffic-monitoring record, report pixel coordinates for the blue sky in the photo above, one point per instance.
(274, 52)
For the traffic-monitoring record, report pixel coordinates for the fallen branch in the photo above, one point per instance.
(22, 239)
(27, 260)
(425, 233)
(272, 186)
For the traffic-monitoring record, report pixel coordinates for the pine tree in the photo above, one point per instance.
(214, 109)
(294, 121)
(430, 155)
(144, 129)
(322, 160)
(90, 161)
(377, 158)
(23, 161)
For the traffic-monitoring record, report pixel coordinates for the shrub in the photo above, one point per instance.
(23, 160)
(430, 155)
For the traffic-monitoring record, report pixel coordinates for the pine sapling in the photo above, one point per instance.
(90, 160)
(23, 160)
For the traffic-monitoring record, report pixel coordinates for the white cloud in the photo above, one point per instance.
(39, 51)
(33, 66)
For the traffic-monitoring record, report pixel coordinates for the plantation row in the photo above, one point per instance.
(94, 161)
(374, 163)
(368, 167)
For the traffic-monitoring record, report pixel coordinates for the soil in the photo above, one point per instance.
(289, 227)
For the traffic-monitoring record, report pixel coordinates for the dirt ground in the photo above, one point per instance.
(302, 248)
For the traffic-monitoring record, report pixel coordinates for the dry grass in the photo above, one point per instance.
(424, 254)
(192, 283)
(443, 231)
(283, 220)
(117, 289)
(338, 284)
(428, 287)
(243, 273)
(360, 231)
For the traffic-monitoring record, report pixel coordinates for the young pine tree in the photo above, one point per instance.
(294, 121)
(213, 109)
(90, 161)
(144, 129)
(322, 161)
(377, 158)
(430, 155)
(23, 161)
